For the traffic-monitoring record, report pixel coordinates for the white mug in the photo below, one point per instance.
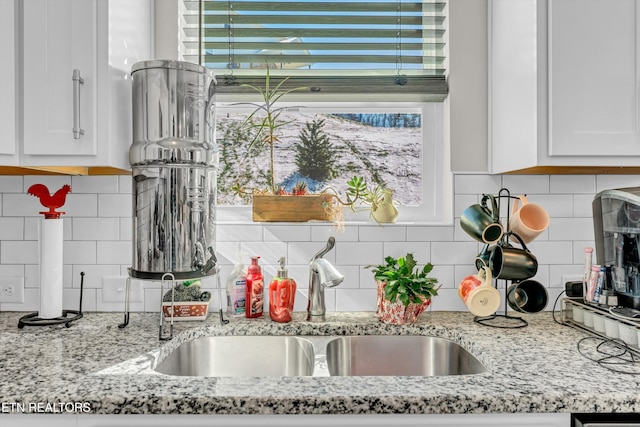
(528, 220)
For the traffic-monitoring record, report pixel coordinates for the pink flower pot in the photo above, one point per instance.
(395, 312)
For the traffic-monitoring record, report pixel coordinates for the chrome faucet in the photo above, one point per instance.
(321, 275)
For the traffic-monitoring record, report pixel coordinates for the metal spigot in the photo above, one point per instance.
(321, 275)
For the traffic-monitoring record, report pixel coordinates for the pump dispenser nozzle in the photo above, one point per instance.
(282, 271)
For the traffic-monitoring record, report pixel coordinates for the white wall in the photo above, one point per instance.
(97, 232)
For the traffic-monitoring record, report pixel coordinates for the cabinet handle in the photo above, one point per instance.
(77, 81)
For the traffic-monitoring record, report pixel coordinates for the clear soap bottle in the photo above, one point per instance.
(236, 291)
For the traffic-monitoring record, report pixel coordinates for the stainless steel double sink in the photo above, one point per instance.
(362, 355)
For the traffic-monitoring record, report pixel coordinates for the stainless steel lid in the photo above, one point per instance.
(168, 64)
(173, 114)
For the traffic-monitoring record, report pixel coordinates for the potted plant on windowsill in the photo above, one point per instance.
(404, 291)
(273, 203)
(377, 200)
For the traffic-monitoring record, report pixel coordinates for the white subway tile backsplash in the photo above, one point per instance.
(556, 205)
(71, 299)
(430, 234)
(448, 300)
(11, 184)
(113, 252)
(94, 184)
(125, 229)
(572, 184)
(351, 276)
(356, 300)
(79, 252)
(452, 253)
(367, 277)
(384, 233)
(557, 271)
(20, 205)
(11, 228)
(571, 229)
(18, 252)
(300, 253)
(321, 233)
(364, 253)
(96, 229)
(421, 250)
(97, 233)
(125, 184)
(82, 205)
(12, 270)
(552, 252)
(93, 274)
(582, 206)
(283, 233)
(53, 182)
(610, 182)
(445, 275)
(114, 205)
(238, 232)
(477, 184)
(269, 252)
(462, 201)
(526, 184)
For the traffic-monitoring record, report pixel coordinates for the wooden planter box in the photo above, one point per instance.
(290, 208)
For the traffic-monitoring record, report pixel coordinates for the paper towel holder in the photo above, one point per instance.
(32, 319)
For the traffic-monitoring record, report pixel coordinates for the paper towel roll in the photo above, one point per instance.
(50, 249)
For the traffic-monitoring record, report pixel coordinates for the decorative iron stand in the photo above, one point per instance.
(32, 319)
(504, 321)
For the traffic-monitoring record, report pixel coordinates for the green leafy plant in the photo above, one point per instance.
(264, 121)
(404, 280)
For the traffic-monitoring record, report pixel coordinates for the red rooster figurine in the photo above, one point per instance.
(48, 201)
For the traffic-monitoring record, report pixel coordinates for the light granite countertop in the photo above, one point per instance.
(533, 369)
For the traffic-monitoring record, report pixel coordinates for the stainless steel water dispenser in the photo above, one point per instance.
(616, 219)
(174, 161)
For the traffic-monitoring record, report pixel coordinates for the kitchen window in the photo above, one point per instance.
(375, 59)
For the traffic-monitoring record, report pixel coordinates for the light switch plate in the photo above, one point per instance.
(114, 289)
(12, 289)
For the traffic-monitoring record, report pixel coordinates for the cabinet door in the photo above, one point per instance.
(8, 83)
(59, 36)
(594, 96)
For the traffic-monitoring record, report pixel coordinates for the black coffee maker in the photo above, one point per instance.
(616, 221)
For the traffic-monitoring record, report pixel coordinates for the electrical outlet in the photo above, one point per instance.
(114, 287)
(12, 289)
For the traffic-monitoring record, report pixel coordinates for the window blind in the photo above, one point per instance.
(372, 46)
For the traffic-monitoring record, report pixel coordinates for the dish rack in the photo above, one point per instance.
(602, 322)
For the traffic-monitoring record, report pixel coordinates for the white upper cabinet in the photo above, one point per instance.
(8, 84)
(593, 78)
(77, 57)
(564, 83)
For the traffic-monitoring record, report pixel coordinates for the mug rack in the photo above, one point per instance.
(504, 321)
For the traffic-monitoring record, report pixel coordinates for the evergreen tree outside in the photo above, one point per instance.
(315, 157)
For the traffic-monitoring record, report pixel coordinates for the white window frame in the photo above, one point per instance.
(437, 190)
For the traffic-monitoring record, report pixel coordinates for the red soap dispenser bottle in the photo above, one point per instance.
(255, 289)
(282, 292)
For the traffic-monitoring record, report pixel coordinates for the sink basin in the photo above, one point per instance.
(318, 356)
(241, 356)
(380, 355)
